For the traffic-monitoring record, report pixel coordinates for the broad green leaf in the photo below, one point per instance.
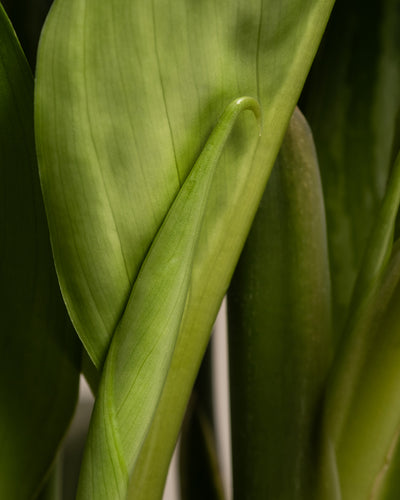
(124, 104)
(352, 102)
(362, 393)
(280, 341)
(142, 346)
(39, 356)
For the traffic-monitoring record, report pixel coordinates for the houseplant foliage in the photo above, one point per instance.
(168, 88)
(352, 101)
(281, 286)
(40, 354)
(157, 125)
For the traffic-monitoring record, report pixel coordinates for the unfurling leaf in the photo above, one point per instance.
(142, 346)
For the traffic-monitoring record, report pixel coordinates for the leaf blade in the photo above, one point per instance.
(143, 344)
(39, 369)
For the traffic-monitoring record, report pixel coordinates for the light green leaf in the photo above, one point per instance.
(280, 339)
(39, 355)
(124, 104)
(142, 346)
(389, 487)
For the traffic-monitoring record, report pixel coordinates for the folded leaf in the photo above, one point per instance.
(141, 349)
(280, 340)
(39, 355)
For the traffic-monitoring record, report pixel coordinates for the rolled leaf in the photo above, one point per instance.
(40, 353)
(142, 346)
(280, 341)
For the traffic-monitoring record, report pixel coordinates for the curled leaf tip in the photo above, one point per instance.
(249, 103)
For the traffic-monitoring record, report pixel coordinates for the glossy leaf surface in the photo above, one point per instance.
(39, 366)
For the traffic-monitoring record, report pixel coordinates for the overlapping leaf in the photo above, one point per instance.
(124, 103)
(127, 94)
(142, 346)
(39, 354)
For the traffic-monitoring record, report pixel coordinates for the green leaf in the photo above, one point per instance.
(124, 104)
(362, 394)
(39, 366)
(352, 102)
(142, 346)
(280, 341)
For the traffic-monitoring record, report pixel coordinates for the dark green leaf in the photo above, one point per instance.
(199, 469)
(279, 329)
(352, 102)
(39, 365)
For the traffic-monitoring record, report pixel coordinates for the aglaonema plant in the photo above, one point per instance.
(157, 125)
